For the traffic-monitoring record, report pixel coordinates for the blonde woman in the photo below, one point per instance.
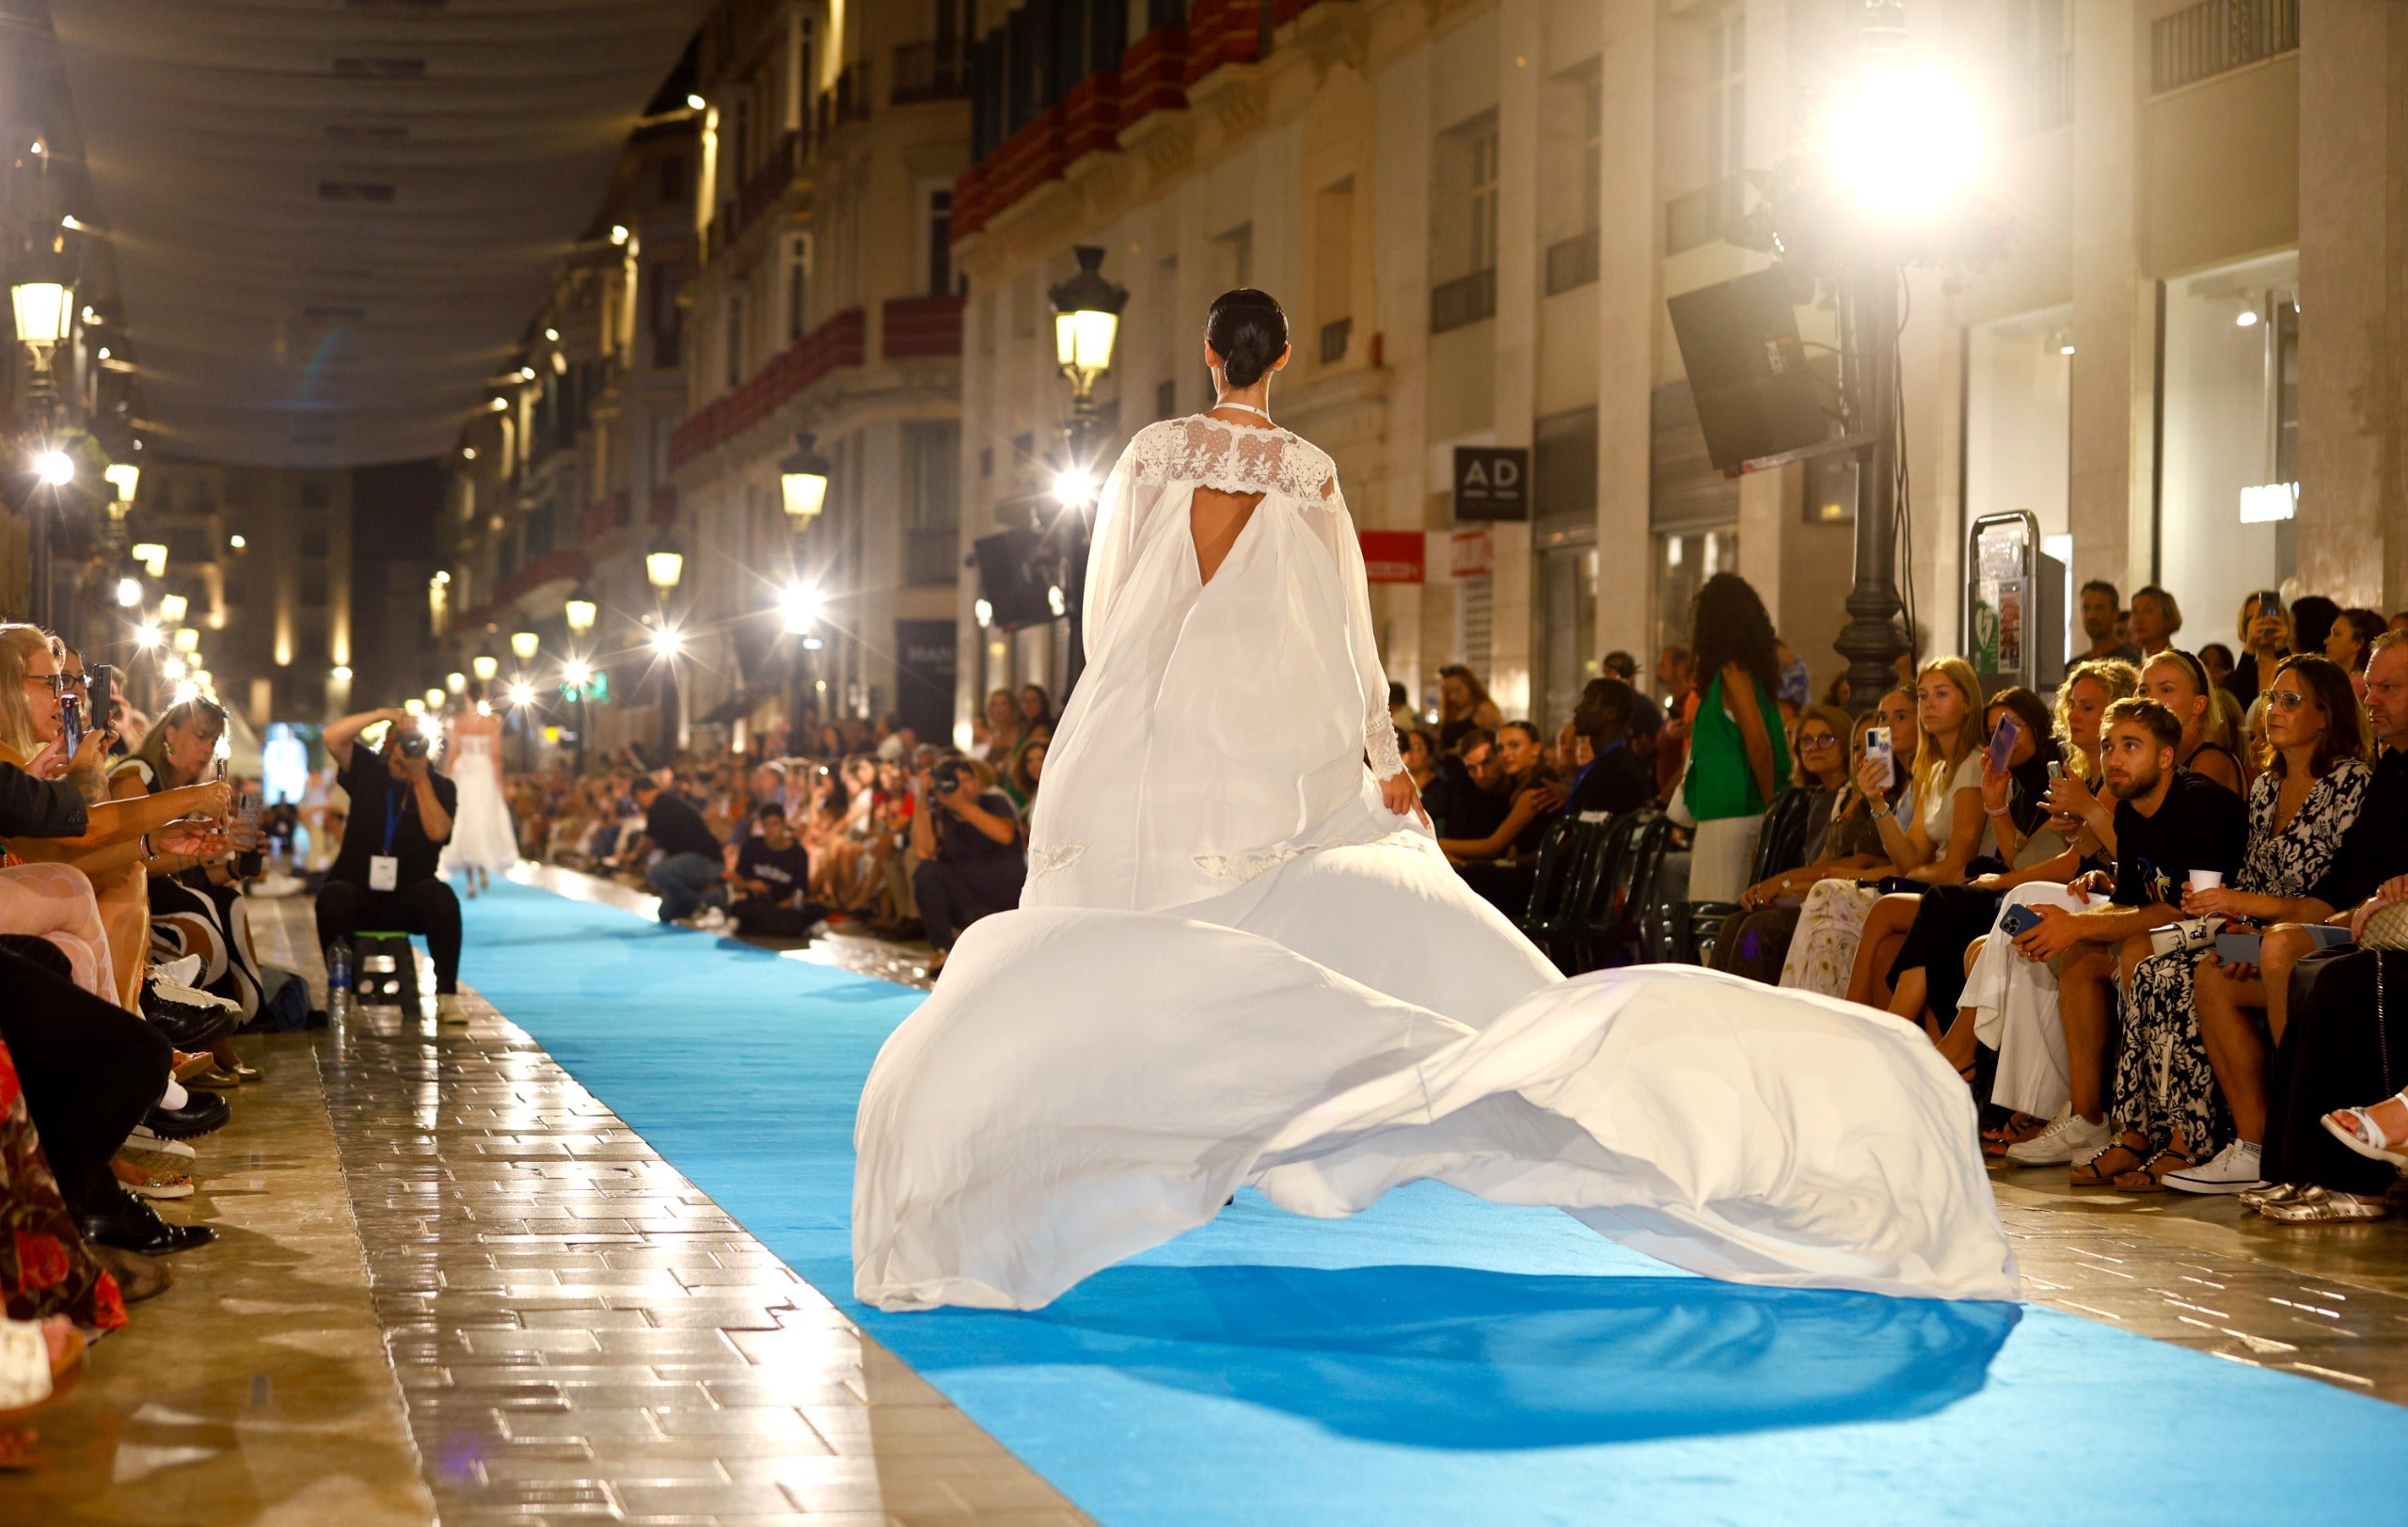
(2175, 680)
(1822, 951)
(113, 846)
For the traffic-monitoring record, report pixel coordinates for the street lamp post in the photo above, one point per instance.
(664, 566)
(1869, 641)
(43, 308)
(580, 611)
(802, 488)
(1087, 321)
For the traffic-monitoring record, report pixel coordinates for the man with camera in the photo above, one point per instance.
(385, 877)
(967, 840)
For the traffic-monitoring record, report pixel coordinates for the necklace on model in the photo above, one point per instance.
(1245, 408)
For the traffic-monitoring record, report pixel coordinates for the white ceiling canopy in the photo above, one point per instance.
(331, 218)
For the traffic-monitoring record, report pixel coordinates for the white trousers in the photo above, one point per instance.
(1724, 850)
(2015, 1012)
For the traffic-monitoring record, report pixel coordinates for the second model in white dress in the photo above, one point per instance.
(483, 840)
(1233, 966)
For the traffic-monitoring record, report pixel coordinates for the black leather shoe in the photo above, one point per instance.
(134, 1226)
(203, 1114)
(186, 1026)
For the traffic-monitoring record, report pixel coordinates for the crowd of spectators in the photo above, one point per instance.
(2151, 918)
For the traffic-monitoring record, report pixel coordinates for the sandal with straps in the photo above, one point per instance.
(2090, 1173)
(2150, 1176)
(2356, 1129)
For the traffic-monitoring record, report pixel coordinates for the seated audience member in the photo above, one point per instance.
(968, 844)
(1499, 865)
(689, 875)
(2170, 1126)
(1401, 714)
(1924, 979)
(2216, 658)
(1615, 779)
(773, 871)
(2321, 1006)
(2312, 618)
(1934, 843)
(1419, 751)
(2177, 682)
(385, 877)
(1823, 754)
(2166, 823)
(88, 1070)
(2354, 633)
(1464, 801)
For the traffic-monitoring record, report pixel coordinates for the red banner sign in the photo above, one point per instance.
(1394, 556)
(1475, 554)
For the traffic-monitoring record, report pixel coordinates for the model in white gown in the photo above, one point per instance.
(1234, 966)
(483, 841)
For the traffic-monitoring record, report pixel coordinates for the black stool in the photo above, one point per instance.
(383, 969)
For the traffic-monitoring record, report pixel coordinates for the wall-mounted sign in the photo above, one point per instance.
(1475, 554)
(1395, 556)
(1491, 482)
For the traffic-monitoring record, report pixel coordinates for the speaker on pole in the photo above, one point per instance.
(1756, 397)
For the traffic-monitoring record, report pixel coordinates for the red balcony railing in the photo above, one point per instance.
(837, 344)
(917, 327)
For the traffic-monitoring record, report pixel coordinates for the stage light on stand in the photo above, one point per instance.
(800, 607)
(147, 635)
(666, 643)
(521, 692)
(577, 673)
(1906, 142)
(54, 469)
(1074, 488)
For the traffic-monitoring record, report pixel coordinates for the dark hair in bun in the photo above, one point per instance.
(1247, 330)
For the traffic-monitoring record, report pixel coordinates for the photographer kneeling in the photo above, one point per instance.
(401, 816)
(773, 871)
(970, 856)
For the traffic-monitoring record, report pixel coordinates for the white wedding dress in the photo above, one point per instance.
(1232, 966)
(481, 834)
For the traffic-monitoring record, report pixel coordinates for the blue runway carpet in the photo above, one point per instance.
(1438, 1359)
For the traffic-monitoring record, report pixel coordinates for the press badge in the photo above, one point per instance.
(384, 871)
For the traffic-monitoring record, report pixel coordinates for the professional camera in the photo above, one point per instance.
(945, 778)
(414, 743)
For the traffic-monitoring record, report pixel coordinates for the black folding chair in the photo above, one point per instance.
(1781, 845)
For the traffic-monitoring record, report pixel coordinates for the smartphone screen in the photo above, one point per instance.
(2002, 741)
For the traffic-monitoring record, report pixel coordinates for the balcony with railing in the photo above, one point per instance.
(1710, 212)
(2216, 36)
(1571, 263)
(1335, 336)
(1466, 300)
(929, 71)
(924, 325)
(758, 191)
(841, 342)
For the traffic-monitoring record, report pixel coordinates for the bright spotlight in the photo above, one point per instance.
(129, 592)
(2246, 318)
(1905, 143)
(693, 102)
(1056, 601)
(985, 611)
(521, 692)
(665, 643)
(173, 669)
(149, 635)
(237, 542)
(1073, 487)
(186, 691)
(800, 607)
(341, 673)
(55, 469)
(577, 673)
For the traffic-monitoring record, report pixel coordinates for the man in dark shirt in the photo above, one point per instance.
(1615, 779)
(2168, 823)
(967, 840)
(384, 876)
(690, 874)
(1463, 801)
(772, 872)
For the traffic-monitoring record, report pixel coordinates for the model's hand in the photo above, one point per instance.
(1403, 797)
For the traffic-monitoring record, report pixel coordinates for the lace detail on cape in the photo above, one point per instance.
(1246, 867)
(1232, 458)
(1042, 862)
(1379, 740)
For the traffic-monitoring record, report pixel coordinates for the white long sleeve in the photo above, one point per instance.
(1335, 526)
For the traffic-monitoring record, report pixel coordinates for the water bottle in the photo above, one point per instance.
(338, 982)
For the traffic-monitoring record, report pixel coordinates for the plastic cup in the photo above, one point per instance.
(2206, 880)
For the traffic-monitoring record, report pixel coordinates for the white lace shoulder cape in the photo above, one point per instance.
(1233, 459)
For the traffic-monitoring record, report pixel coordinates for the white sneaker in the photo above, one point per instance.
(709, 921)
(145, 1138)
(182, 972)
(2068, 1138)
(2233, 1169)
